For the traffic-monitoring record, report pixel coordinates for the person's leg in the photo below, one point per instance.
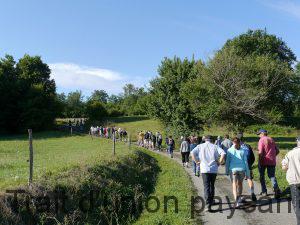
(194, 167)
(295, 193)
(187, 159)
(183, 158)
(206, 184)
(261, 170)
(213, 177)
(234, 186)
(271, 175)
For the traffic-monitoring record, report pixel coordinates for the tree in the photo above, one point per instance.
(239, 90)
(258, 43)
(100, 96)
(28, 95)
(75, 104)
(167, 102)
(95, 110)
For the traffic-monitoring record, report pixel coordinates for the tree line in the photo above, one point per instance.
(254, 78)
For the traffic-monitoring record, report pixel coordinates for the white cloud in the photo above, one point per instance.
(69, 77)
(290, 7)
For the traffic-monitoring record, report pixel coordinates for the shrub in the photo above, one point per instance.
(271, 128)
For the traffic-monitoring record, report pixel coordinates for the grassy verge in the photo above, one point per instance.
(172, 181)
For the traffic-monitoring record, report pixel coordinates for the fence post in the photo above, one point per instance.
(30, 157)
(71, 130)
(114, 143)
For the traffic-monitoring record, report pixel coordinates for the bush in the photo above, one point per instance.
(95, 111)
(271, 128)
(118, 189)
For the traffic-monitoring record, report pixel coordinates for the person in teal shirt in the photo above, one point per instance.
(237, 167)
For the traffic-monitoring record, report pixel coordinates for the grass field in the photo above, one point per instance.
(135, 124)
(54, 152)
(62, 159)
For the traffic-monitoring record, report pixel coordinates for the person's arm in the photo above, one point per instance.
(222, 155)
(181, 147)
(246, 165)
(260, 151)
(285, 163)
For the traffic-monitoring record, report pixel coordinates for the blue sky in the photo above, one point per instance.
(103, 44)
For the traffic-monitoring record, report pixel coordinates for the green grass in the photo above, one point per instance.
(135, 124)
(172, 181)
(54, 152)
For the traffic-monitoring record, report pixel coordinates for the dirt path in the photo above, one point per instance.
(265, 211)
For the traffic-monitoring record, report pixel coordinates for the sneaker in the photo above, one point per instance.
(263, 194)
(207, 208)
(253, 197)
(237, 205)
(183, 165)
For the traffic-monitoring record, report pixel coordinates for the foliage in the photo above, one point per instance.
(271, 128)
(247, 81)
(95, 110)
(259, 42)
(27, 93)
(166, 101)
(100, 96)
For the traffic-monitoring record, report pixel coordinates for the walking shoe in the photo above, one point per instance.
(253, 197)
(263, 194)
(238, 203)
(207, 208)
(197, 174)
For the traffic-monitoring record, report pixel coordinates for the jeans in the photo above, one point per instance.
(209, 180)
(196, 168)
(295, 192)
(185, 156)
(170, 151)
(271, 174)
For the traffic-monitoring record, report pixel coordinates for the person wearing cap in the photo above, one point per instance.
(291, 164)
(210, 157)
(267, 152)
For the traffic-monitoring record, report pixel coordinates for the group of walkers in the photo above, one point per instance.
(150, 140)
(238, 158)
(107, 132)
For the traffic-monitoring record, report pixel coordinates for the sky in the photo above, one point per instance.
(104, 44)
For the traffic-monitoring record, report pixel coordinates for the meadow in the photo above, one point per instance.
(77, 162)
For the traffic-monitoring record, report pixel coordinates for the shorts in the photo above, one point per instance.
(237, 176)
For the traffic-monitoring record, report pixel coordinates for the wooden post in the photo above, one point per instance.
(30, 157)
(114, 143)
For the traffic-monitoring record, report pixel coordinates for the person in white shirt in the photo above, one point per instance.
(210, 157)
(291, 164)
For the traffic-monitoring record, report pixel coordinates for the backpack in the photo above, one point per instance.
(147, 135)
(250, 155)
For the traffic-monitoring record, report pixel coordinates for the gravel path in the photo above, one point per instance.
(265, 211)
